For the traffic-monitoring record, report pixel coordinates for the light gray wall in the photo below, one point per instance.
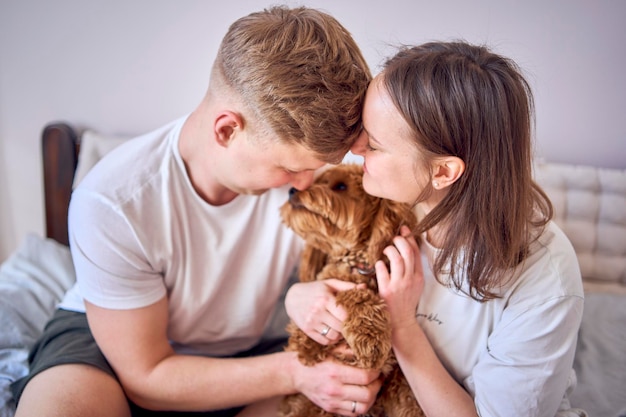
(124, 66)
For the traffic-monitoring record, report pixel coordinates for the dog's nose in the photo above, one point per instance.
(294, 197)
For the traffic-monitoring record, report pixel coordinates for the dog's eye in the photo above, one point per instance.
(340, 186)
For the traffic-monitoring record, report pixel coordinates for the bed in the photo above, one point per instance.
(590, 206)
(34, 278)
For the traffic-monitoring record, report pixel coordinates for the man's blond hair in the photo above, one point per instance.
(300, 75)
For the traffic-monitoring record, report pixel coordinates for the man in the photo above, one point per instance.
(179, 250)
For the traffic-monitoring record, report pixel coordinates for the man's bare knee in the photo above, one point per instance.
(73, 390)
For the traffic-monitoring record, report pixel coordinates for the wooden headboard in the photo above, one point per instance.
(60, 146)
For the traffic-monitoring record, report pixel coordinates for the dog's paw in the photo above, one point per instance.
(366, 329)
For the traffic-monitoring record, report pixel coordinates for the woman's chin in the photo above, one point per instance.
(380, 192)
(372, 189)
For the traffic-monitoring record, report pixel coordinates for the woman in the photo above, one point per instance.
(486, 309)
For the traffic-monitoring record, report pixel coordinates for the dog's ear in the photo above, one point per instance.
(312, 262)
(389, 217)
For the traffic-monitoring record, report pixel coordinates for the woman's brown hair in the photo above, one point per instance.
(300, 73)
(464, 100)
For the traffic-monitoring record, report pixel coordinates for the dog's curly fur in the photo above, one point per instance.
(345, 231)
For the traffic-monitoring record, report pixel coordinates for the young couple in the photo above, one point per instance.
(181, 257)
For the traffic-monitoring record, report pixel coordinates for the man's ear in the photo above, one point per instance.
(226, 124)
(446, 170)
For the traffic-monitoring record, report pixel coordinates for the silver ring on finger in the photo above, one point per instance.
(353, 406)
(325, 330)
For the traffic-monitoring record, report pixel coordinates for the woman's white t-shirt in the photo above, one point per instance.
(513, 354)
(140, 232)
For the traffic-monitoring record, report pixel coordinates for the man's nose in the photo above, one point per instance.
(358, 147)
(302, 180)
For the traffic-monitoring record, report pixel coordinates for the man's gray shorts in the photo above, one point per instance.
(68, 340)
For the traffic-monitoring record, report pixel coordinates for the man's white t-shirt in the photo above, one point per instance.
(513, 354)
(140, 232)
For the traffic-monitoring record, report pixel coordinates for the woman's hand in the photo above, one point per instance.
(313, 308)
(401, 286)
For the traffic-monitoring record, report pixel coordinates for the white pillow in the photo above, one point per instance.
(93, 146)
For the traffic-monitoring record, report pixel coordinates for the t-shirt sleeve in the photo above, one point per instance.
(112, 269)
(527, 364)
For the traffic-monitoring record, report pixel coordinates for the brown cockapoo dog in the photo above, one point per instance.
(345, 231)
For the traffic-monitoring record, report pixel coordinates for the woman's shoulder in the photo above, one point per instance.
(551, 268)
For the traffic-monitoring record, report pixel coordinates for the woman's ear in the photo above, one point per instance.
(446, 170)
(226, 124)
